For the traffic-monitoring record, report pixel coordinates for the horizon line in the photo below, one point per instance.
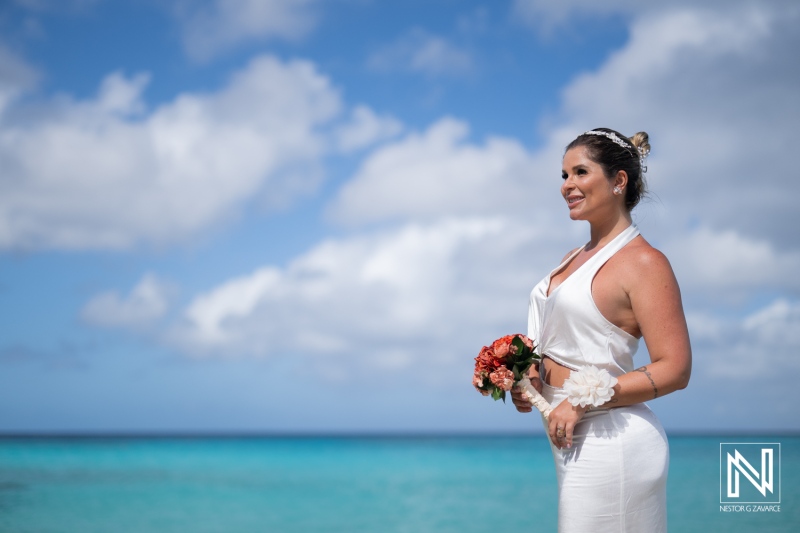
(344, 434)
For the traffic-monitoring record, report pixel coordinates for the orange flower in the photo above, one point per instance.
(486, 361)
(502, 346)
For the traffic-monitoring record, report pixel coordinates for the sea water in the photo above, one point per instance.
(339, 484)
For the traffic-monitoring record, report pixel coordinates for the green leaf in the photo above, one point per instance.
(517, 342)
(498, 393)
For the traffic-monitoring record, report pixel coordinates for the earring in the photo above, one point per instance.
(617, 190)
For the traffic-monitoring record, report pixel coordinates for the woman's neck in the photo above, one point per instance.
(603, 232)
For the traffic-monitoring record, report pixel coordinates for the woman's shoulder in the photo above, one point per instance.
(640, 259)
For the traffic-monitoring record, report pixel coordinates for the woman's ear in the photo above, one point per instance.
(621, 179)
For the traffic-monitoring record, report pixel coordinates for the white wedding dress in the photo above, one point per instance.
(614, 477)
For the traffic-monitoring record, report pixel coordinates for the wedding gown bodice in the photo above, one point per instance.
(568, 327)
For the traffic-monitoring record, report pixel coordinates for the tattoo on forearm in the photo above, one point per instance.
(653, 383)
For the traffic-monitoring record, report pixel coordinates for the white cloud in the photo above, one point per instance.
(771, 339)
(365, 128)
(662, 45)
(234, 299)
(420, 51)
(762, 345)
(419, 292)
(710, 262)
(117, 174)
(211, 27)
(546, 16)
(147, 302)
(439, 173)
(121, 96)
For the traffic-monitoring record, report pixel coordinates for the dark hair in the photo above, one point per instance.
(612, 156)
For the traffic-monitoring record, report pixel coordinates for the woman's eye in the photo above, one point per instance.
(581, 171)
(563, 175)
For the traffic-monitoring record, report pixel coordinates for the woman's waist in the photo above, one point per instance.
(556, 395)
(554, 370)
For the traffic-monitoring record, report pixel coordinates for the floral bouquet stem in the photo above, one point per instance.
(533, 396)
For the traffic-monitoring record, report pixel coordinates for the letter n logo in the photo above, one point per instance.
(747, 472)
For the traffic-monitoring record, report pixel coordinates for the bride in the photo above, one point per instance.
(587, 316)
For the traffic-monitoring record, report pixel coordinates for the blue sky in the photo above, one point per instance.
(295, 215)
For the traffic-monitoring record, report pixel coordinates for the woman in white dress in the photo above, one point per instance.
(611, 454)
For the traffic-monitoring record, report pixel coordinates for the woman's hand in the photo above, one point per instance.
(520, 402)
(562, 423)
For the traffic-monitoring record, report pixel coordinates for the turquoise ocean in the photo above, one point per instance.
(339, 484)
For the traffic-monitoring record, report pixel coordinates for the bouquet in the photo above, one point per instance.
(504, 365)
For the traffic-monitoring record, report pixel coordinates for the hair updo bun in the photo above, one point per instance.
(641, 141)
(614, 152)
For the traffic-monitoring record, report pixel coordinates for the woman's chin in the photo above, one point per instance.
(575, 214)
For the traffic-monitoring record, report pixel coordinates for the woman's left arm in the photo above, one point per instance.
(656, 303)
(655, 300)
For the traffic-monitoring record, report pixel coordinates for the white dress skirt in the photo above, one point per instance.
(614, 478)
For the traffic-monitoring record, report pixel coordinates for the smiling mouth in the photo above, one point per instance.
(572, 200)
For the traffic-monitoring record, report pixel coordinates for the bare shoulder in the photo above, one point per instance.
(639, 261)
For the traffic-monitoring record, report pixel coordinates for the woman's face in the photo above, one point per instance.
(588, 191)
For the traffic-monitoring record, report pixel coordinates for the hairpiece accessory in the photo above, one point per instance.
(613, 136)
(617, 190)
(589, 386)
(643, 153)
